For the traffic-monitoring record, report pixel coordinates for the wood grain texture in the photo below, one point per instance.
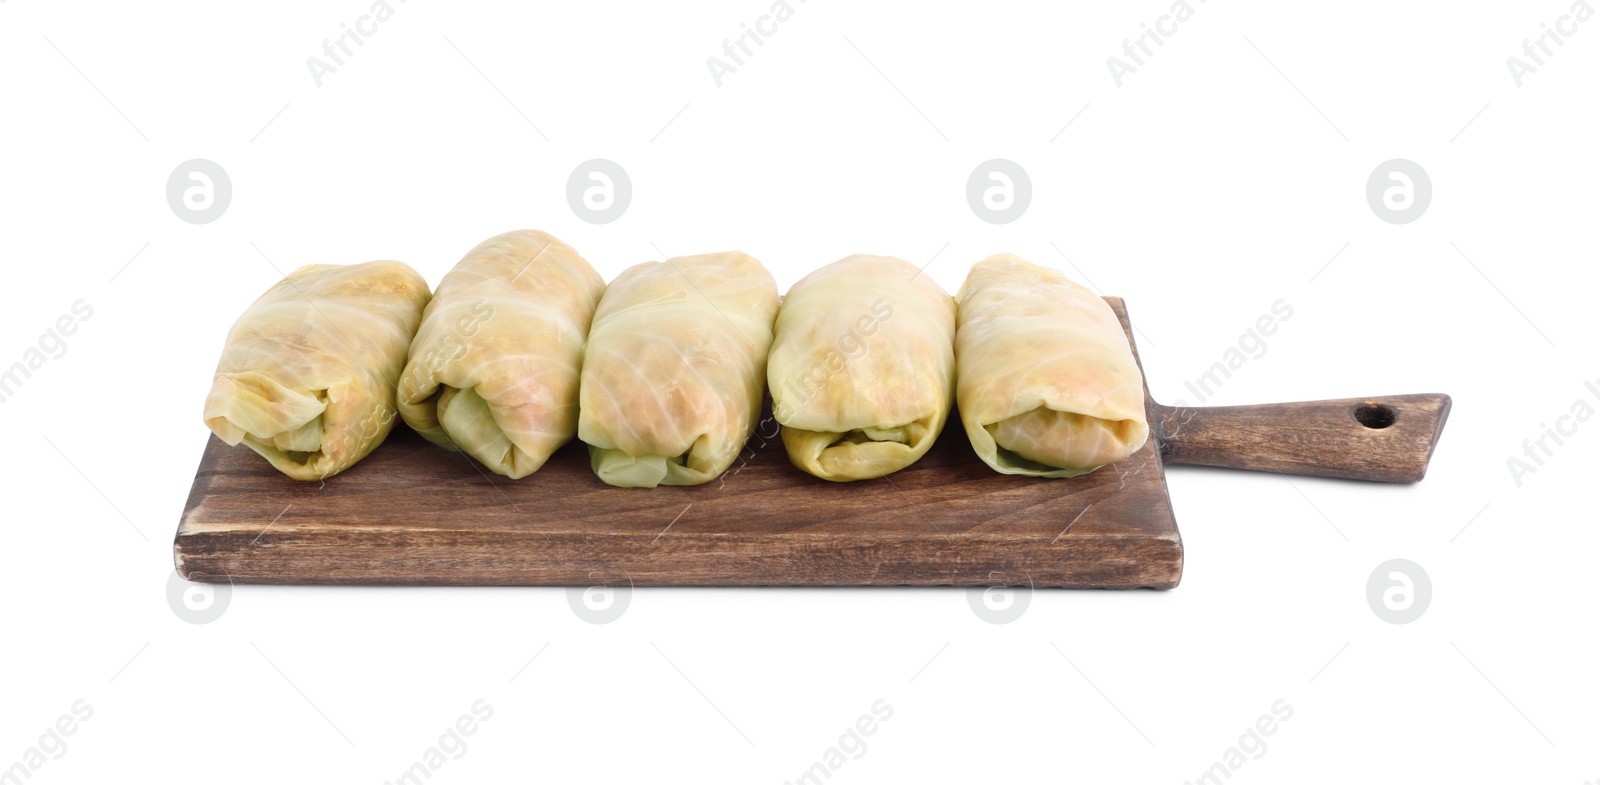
(414, 514)
(1385, 439)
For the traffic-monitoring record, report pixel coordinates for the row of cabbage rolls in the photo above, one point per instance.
(662, 373)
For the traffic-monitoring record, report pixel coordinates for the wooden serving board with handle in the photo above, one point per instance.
(414, 514)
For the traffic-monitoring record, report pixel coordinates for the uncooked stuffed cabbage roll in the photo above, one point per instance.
(494, 367)
(862, 369)
(308, 374)
(1046, 383)
(675, 368)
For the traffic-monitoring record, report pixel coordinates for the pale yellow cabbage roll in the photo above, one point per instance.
(494, 367)
(307, 377)
(675, 367)
(862, 369)
(1046, 382)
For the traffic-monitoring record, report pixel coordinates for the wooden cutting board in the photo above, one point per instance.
(412, 513)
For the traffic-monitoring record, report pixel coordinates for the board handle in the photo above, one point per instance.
(1386, 439)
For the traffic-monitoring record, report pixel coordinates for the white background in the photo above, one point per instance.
(1220, 177)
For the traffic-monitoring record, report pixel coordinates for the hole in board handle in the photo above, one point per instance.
(1375, 415)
